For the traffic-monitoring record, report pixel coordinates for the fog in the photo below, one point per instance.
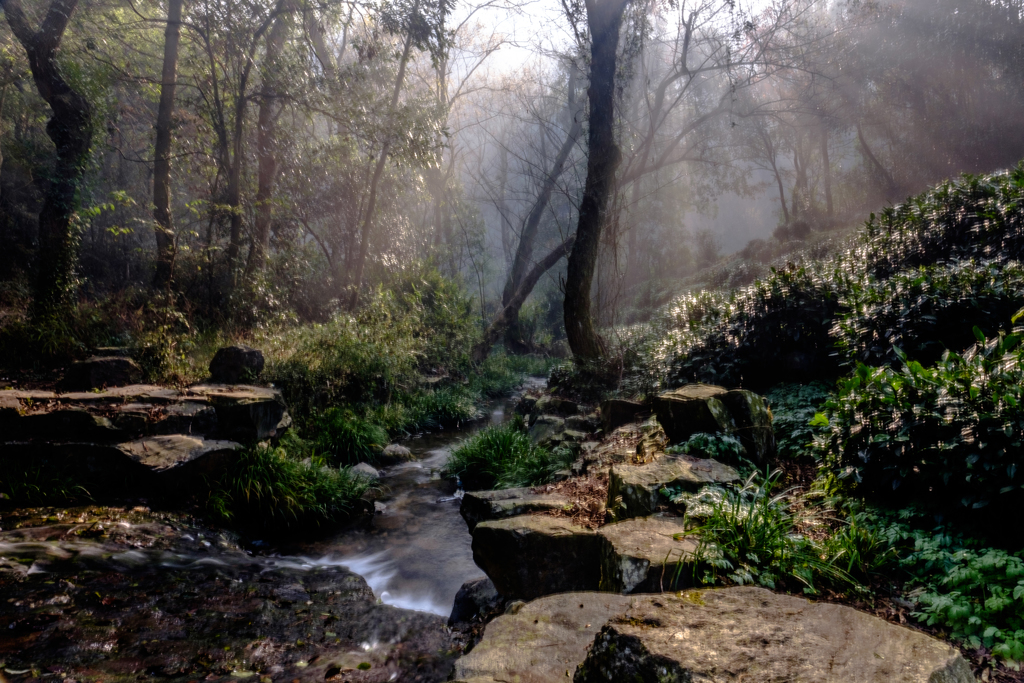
(316, 152)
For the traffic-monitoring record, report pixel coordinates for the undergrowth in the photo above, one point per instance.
(502, 456)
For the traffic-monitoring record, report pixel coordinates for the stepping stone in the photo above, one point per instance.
(753, 634)
(534, 555)
(245, 413)
(542, 643)
(482, 506)
(616, 412)
(634, 490)
(648, 555)
(712, 409)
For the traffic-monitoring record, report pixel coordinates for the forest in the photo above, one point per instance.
(468, 298)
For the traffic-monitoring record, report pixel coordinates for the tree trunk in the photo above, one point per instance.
(70, 129)
(826, 167)
(887, 182)
(378, 171)
(524, 252)
(164, 229)
(266, 143)
(604, 18)
(511, 310)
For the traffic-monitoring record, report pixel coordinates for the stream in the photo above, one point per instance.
(116, 594)
(416, 555)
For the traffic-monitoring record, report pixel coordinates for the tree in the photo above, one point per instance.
(70, 129)
(164, 229)
(604, 18)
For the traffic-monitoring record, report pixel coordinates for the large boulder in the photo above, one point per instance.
(534, 555)
(648, 555)
(235, 364)
(99, 372)
(482, 506)
(541, 643)
(635, 490)
(752, 634)
(712, 409)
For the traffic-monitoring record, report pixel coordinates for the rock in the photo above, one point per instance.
(477, 598)
(653, 441)
(545, 427)
(395, 454)
(525, 404)
(186, 418)
(534, 555)
(553, 404)
(633, 490)
(753, 634)
(582, 423)
(71, 424)
(482, 506)
(643, 556)
(616, 412)
(245, 413)
(236, 364)
(712, 409)
(182, 461)
(542, 642)
(99, 372)
(364, 469)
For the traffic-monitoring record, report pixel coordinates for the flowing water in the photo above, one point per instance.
(416, 554)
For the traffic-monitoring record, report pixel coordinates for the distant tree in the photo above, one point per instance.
(164, 229)
(70, 128)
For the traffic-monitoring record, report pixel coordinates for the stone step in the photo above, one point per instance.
(233, 412)
(175, 465)
(533, 555)
(646, 555)
(634, 490)
(483, 506)
(725, 634)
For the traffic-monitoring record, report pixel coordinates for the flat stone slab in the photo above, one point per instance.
(165, 454)
(633, 490)
(237, 413)
(543, 642)
(482, 506)
(533, 555)
(646, 555)
(752, 634)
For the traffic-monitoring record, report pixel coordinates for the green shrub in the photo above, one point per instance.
(749, 536)
(949, 436)
(793, 407)
(342, 438)
(444, 407)
(973, 592)
(501, 374)
(928, 310)
(720, 447)
(267, 491)
(502, 456)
